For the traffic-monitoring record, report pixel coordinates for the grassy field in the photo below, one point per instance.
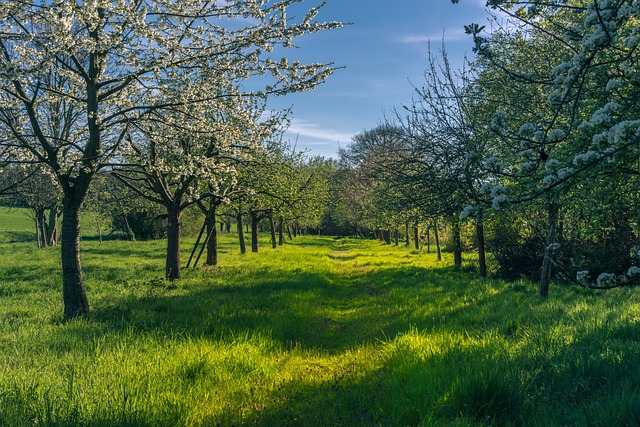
(323, 331)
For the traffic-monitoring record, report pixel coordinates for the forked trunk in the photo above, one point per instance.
(172, 266)
(73, 289)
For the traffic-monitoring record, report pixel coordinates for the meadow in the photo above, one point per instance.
(322, 331)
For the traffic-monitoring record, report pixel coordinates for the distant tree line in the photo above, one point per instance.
(536, 142)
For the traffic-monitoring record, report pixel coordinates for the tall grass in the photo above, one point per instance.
(321, 331)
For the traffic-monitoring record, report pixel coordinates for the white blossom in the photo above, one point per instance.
(556, 135)
(500, 202)
(493, 164)
(552, 165)
(633, 271)
(466, 212)
(606, 279)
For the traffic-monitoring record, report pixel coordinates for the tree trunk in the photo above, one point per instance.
(281, 231)
(228, 227)
(416, 237)
(212, 242)
(243, 245)
(73, 289)
(295, 230)
(36, 222)
(172, 265)
(407, 238)
(435, 233)
(457, 245)
(44, 229)
(54, 215)
(289, 232)
(254, 232)
(397, 237)
(127, 229)
(547, 262)
(99, 228)
(387, 236)
(428, 240)
(272, 228)
(482, 259)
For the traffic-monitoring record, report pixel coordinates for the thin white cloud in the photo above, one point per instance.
(449, 36)
(312, 131)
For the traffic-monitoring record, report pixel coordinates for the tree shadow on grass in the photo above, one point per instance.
(12, 236)
(329, 311)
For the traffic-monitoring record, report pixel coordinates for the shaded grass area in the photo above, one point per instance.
(322, 331)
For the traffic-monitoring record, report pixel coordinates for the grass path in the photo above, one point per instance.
(321, 331)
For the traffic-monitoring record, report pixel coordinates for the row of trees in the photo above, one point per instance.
(170, 96)
(537, 138)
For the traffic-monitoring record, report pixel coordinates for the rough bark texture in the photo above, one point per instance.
(172, 266)
(547, 262)
(243, 245)
(73, 289)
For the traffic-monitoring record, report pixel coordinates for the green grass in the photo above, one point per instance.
(319, 332)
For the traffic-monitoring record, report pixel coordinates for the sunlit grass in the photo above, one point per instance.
(322, 331)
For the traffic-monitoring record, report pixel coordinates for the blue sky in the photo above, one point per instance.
(384, 52)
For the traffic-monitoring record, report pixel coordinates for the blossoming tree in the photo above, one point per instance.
(76, 76)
